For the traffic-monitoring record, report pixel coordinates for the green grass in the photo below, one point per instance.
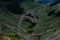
(45, 22)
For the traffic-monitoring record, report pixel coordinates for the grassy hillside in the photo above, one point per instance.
(48, 27)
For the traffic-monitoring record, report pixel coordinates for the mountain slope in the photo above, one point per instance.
(47, 28)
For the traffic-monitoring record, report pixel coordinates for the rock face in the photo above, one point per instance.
(5, 38)
(31, 17)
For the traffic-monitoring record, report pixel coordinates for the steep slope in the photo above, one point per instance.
(48, 27)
